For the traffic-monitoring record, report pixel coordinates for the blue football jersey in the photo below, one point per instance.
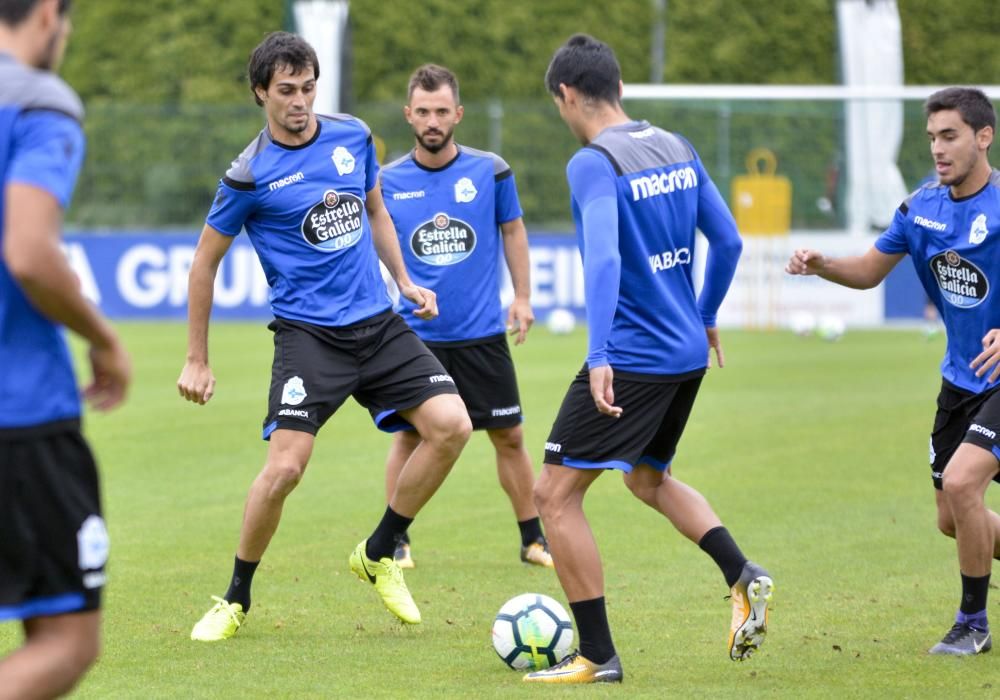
(638, 195)
(955, 249)
(42, 145)
(303, 208)
(447, 220)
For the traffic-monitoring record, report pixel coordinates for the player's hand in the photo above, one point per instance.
(805, 262)
(714, 343)
(196, 382)
(989, 358)
(520, 317)
(601, 381)
(112, 373)
(425, 299)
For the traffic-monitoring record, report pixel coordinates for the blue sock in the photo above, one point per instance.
(977, 620)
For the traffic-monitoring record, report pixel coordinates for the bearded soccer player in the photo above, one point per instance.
(306, 191)
(53, 541)
(638, 195)
(453, 207)
(951, 231)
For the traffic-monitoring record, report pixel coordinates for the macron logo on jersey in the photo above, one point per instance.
(288, 180)
(663, 183)
(928, 223)
(419, 194)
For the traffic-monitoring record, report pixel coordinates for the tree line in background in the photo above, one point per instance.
(169, 107)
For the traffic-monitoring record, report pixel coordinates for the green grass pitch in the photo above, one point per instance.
(814, 454)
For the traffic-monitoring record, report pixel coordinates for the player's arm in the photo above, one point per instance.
(387, 247)
(515, 251)
(592, 184)
(716, 222)
(196, 382)
(46, 153)
(854, 271)
(35, 260)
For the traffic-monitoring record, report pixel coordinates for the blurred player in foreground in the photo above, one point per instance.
(638, 194)
(951, 230)
(53, 541)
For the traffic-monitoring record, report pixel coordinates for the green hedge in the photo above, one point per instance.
(168, 106)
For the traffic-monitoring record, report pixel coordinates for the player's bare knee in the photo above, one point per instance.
(282, 476)
(452, 430)
(550, 503)
(508, 439)
(957, 486)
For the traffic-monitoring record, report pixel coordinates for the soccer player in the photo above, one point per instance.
(53, 541)
(951, 230)
(638, 194)
(448, 202)
(306, 191)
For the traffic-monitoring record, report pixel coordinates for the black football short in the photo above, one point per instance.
(53, 541)
(963, 417)
(380, 362)
(655, 410)
(483, 370)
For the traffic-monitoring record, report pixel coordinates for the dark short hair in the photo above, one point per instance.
(279, 50)
(587, 64)
(972, 104)
(431, 77)
(13, 12)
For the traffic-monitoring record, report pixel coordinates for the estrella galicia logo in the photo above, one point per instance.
(961, 282)
(443, 240)
(334, 223)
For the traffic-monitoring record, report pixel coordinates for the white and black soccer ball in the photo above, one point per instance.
(531, 632)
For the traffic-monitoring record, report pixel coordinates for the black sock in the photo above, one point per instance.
(403, 538)
(594, 634)
(975, 589)
(239, 585)
(719, 545)
(531, 530)
(382, 542)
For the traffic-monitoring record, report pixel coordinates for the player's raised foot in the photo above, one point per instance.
(576, 669)
(221, 622)
(750, 596)
(964, 640)
(387, 578)
(401, 555)
(537, 553)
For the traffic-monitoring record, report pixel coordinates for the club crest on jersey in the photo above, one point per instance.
(343, 159)
(465, 191)
(334, 223)
(294, 392)
(443, 240)
(962, 283)
(978, 231)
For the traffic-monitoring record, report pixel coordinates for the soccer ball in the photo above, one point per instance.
(561, 321)
(830, 328)
(802, 323)
(532, 632)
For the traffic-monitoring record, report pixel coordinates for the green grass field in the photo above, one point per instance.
(814, 454)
